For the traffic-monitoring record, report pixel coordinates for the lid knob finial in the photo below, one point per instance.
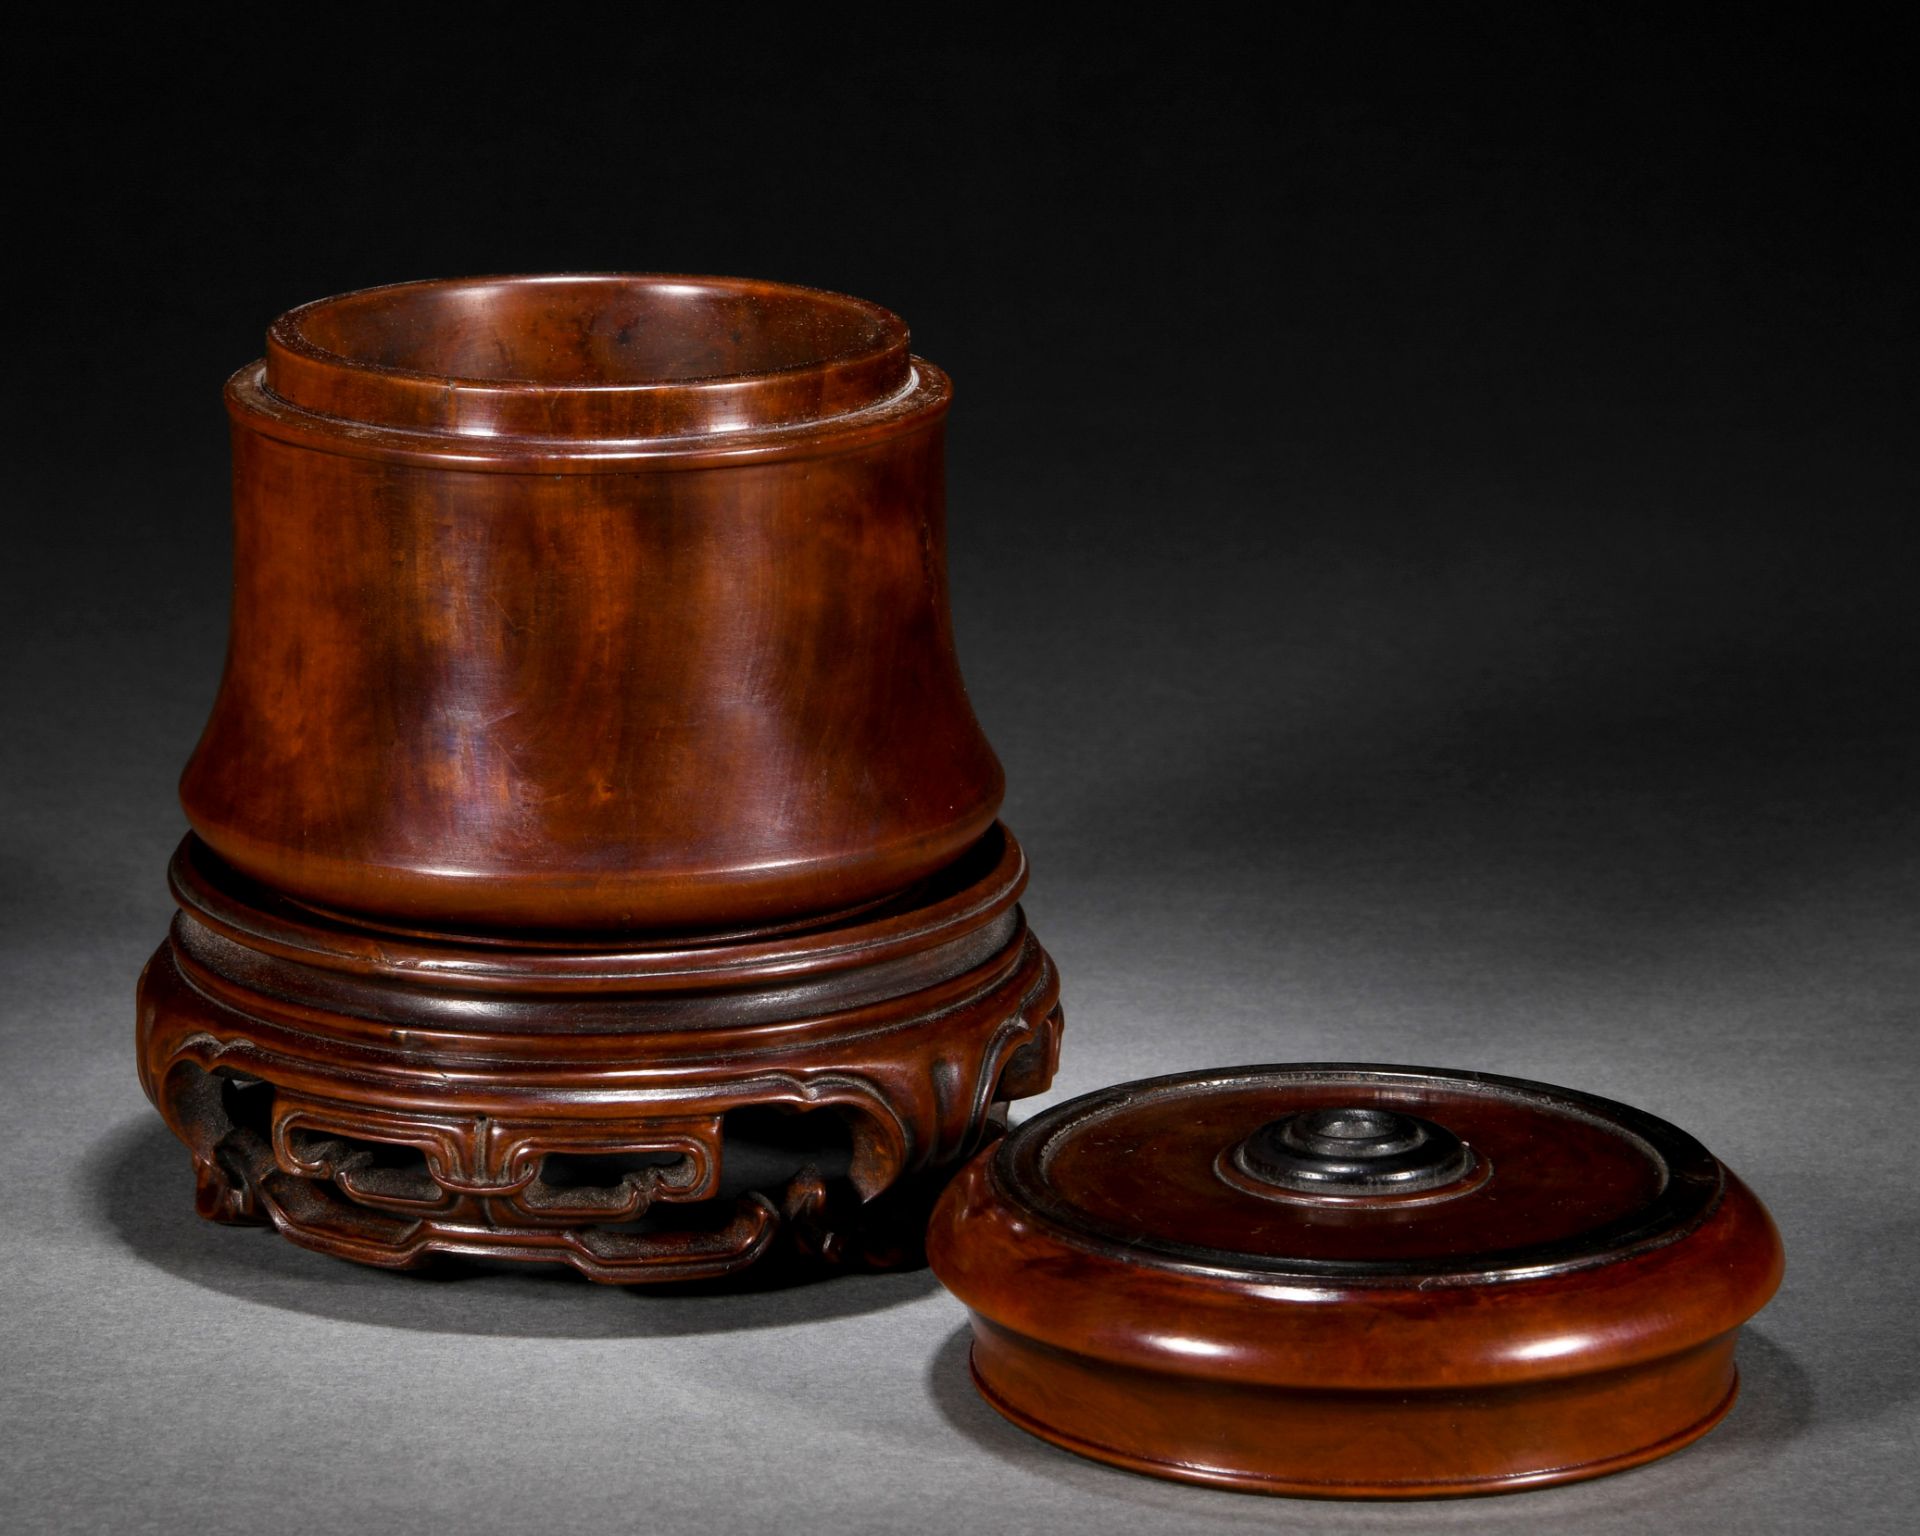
(1353, 1150)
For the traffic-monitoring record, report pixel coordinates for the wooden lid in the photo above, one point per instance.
(1350, 1280)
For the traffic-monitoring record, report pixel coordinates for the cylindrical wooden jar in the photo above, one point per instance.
(592, 765)
(590, 603)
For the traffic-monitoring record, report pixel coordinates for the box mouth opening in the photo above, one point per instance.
(592, 355)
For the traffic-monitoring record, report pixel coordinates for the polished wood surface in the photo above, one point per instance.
(591, 767)
(602, 603)
(1566, 1308)
(388, 1099)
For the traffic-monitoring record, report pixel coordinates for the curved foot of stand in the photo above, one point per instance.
(585, 1108)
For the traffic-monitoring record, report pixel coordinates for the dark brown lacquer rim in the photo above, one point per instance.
(1692, 1178)
(491, 372)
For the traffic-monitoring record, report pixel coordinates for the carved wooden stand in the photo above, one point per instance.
(592, 772)
(384, 1097)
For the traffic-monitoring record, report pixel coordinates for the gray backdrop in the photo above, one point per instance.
(1432, 543)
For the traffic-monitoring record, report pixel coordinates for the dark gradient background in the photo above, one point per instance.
(1433, 543)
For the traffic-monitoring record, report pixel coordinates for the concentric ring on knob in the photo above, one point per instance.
(1352, 1151)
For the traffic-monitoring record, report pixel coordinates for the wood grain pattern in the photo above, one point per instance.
(645, 626)
(386, 1099)
(1570, 1313)
(591, 766)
